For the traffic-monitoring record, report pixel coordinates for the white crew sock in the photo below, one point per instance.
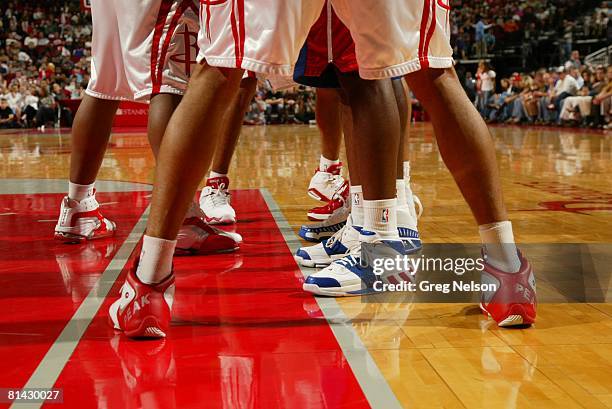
(155, 260)
(380, 216)
(214, 174)
(325, 163)
(500, 248)
(407, 171)
(400, 186)
(79, 192)
(408, 190)
(357, 205)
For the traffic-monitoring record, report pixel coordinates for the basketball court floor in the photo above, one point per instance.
(244, 335)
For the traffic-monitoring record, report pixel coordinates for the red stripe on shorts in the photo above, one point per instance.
(162, 15)
(430, 33)
(241, 30)
(235, 35)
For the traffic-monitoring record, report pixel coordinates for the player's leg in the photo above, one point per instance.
(330, 125)
(406, 213)
(461, 133)
(184, 142)
(327, 183)
(80, 218)
(327, 178)
(215, 197)
(189, 142)
(375, 140)
(335, 212)
(161, 108)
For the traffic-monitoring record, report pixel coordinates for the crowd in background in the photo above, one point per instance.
(45, 56)
(479, 27)
(573, 94)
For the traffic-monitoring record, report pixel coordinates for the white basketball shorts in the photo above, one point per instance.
(392, 37)
(142, 47)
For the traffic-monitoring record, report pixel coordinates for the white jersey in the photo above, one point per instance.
(266, 36)
(142, 47)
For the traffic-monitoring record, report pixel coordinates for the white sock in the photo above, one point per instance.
(380, 216)
(400, 186)
(500, 248)
(408, 190)
(214, 174)
(155, 260)
(357, 205)
(79, 192)
(325, 163)
(407, 171)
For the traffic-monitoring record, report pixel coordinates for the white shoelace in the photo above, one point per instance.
(219, 196)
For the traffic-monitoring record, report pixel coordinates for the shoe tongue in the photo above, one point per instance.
(216, 182)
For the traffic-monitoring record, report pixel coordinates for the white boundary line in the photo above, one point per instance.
(373, 384)
(51, 366)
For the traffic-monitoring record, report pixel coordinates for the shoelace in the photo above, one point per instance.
(219, 196)
(336, 181)
(348, 261)
(336, 236)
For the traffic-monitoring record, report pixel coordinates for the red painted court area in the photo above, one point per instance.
(241, 336)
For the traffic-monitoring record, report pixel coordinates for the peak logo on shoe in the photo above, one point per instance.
(143, 310)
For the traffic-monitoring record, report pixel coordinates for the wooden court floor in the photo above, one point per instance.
(558, 188)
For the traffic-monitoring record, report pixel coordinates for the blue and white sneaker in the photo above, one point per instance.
(334, 248)
(316, 232)
(407, 229)
(354, 274)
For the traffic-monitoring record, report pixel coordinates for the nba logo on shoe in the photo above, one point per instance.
(355, 199)
(385, 216)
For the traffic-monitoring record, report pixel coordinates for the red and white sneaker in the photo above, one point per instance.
(81, 221)
(514, 302)
(324, 184)
(338, 204)
(215, 202)
(143, 310)
(198, 237)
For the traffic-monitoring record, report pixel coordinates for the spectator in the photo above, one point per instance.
(7, 116)
(574, 61)
(481, 44)
(566, 86)
(485, 78)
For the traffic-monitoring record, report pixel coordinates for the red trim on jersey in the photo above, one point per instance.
(444, 6)
(235, 35)
(241, 30)
(430, 33)
(180, 10)
(162, 16)
(423, 34)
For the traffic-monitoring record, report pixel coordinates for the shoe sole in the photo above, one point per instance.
(69, 238)
(220, 220)
(310, 263)
(316, 217)
(513, 320)
(314, 239)
(149, 328)
(199, 252)
(347, 291)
